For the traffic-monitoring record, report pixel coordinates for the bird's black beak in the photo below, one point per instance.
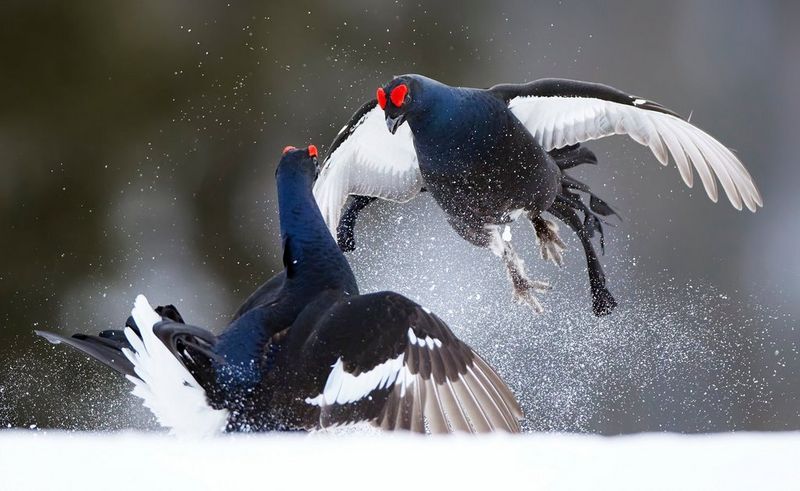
(394, 123)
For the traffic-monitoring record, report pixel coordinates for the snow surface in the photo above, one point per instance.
(151, 461)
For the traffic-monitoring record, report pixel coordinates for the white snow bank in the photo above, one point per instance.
(140, 461)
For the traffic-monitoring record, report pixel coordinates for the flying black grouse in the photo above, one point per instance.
(490, 156)
(306, 351)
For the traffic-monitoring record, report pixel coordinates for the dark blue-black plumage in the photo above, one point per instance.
(306, 350)
(489, 156)
(482, 165)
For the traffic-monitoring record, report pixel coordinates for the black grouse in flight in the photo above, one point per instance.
(490, 156)
(306, 350)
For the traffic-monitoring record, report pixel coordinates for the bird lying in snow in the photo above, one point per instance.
(490, 156)
(306, 350)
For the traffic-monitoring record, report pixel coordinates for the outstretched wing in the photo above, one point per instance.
(400, 367)
(365, 159)
(561, 112)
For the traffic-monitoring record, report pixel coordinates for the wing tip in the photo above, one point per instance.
(754, 203)
(51, 337)
(756, 195)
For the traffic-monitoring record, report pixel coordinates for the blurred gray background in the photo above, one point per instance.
(138, 142)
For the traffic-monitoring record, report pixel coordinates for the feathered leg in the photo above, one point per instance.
(524, 288)
(489, 235)
(549, 241)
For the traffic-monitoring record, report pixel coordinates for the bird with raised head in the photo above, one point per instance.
(489, 156)
(305, 350)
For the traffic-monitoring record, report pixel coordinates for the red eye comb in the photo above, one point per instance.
(288, 149)
(381, 98)
(312, 150)
(399, 94)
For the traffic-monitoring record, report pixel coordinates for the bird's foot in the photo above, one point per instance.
(550, 242)
(525, 293)
(525, 289)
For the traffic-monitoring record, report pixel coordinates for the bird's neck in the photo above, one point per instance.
(310, 253)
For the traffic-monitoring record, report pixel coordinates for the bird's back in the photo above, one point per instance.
(292, 366)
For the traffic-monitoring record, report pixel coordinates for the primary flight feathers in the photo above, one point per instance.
(491, 155)
(557, 122)
(367, 160)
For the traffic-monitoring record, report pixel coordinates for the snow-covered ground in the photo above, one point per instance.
(150, 461)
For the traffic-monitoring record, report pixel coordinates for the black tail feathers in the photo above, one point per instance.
(570, 205)
(165, 311)
(603, 302)
(573, 155)
(106, 347)
(593, 213)
(567, 158)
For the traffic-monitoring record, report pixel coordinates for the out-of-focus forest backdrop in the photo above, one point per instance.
(138, 142)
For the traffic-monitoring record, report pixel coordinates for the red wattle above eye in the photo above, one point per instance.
(381, 98)
(399, 95)
(288, 149)
(312, 150)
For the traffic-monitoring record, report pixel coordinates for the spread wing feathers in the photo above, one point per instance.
(402, 368)
(559, 113)
(365, 159)
(164, 359)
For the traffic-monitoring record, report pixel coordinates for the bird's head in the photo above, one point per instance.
(397, 99)
(299, 161)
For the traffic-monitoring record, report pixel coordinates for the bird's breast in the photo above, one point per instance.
(486, 170)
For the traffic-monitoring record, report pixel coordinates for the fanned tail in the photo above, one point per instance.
(570, 205)
(593, 212)
(164, 359)
(106, 347)
(573, 155)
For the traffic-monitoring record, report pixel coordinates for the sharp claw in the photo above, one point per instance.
(527, 298)
(525, 295)
(524, 288)
(540, 286)
(552, 252)
(550, 242)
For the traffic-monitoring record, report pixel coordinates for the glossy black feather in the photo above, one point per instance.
(104, 350)
(482, 165)
(351, 125)
(562, 87)
(270, 366)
